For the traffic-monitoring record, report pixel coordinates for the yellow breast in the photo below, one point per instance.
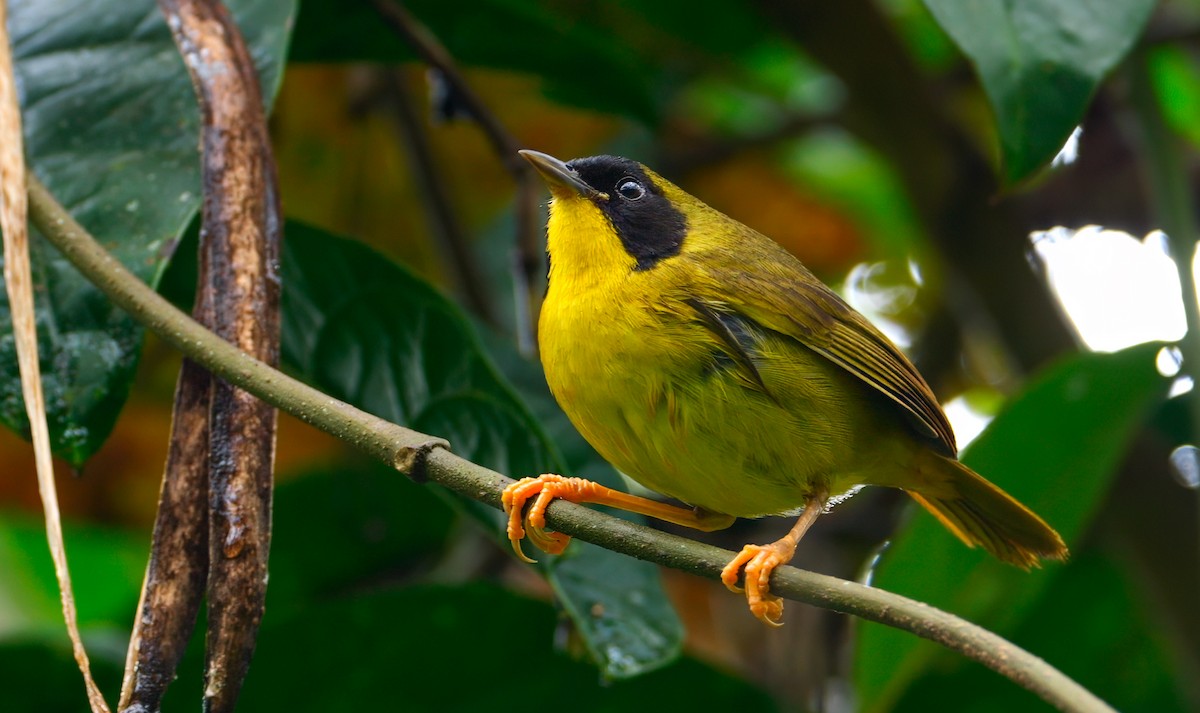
(643, 382)
(650, 387)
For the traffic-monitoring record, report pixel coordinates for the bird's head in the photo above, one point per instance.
(610, 213)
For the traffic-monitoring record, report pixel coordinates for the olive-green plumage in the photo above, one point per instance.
(707, 363)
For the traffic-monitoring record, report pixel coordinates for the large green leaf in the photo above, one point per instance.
(1054, 448)
(1092, 625)
(370, 333)
(581, 63)
(106, 568)
(39, 673)
(475, 647)
(41, 677)
(111, 126)
(1040, 62)
(349, 525)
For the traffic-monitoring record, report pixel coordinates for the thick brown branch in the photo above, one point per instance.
(238, 297)
(178, 567)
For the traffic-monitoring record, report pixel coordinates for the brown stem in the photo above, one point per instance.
(239, 292)
(527, 261)
(19, 288)
(178, 567)
(443, 222)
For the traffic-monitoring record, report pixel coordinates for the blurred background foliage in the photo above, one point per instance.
(901, 149)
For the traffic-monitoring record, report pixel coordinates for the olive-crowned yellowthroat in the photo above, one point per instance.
(707, 363)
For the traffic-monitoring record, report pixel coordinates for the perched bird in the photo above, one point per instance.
(707, 363)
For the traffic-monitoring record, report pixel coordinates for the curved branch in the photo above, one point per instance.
(421, 456)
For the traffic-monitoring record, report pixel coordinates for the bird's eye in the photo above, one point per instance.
(630, 189)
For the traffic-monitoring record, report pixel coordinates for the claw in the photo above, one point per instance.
(552, 542)
(546, 488)
(759, 561)
(729, 575)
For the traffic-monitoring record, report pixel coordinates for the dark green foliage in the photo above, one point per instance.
(1040, 62)
(370, 333)
(1055, 448)
(111, 127)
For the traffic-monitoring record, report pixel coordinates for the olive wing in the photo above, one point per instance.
(780, 294)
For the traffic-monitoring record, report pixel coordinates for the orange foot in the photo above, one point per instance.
(546, 488)
(759, 561)
(550, 486)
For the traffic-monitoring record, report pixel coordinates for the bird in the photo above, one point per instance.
(707, 363)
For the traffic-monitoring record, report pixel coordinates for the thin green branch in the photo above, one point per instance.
(422, 456)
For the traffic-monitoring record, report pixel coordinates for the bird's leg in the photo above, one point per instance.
(761, 560)
(545, 488)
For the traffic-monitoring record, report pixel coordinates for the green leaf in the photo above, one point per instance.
(581, 64)
(720, 29)
(1040, 62)
(368, 332)
(1054, 448)
(106, 569)
(1176, 79)
(1092, 624)
(842, 170)
(348, 525)
(107, 566)
(472, 648)
(42, 677)
(111, 126)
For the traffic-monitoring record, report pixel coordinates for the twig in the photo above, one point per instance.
(527, 260)
(18, 281)
(443, 222)
(422, 456)
(1170, 191)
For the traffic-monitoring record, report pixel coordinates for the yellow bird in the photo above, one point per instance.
(707, 363)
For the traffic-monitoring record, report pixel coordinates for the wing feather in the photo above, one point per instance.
(776, 291)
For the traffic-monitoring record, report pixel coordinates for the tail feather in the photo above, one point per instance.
(980, 513)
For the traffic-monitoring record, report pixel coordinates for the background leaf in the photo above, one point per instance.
(111, 127)
(1054, 448)
(357, 524)
(1176, 79)
(468, 648)
(582, 64)
(1090, 623)
(105, 564)
(366, 331)
(1040, 62)
(35, 654)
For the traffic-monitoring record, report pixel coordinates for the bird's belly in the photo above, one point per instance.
(663, 412)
